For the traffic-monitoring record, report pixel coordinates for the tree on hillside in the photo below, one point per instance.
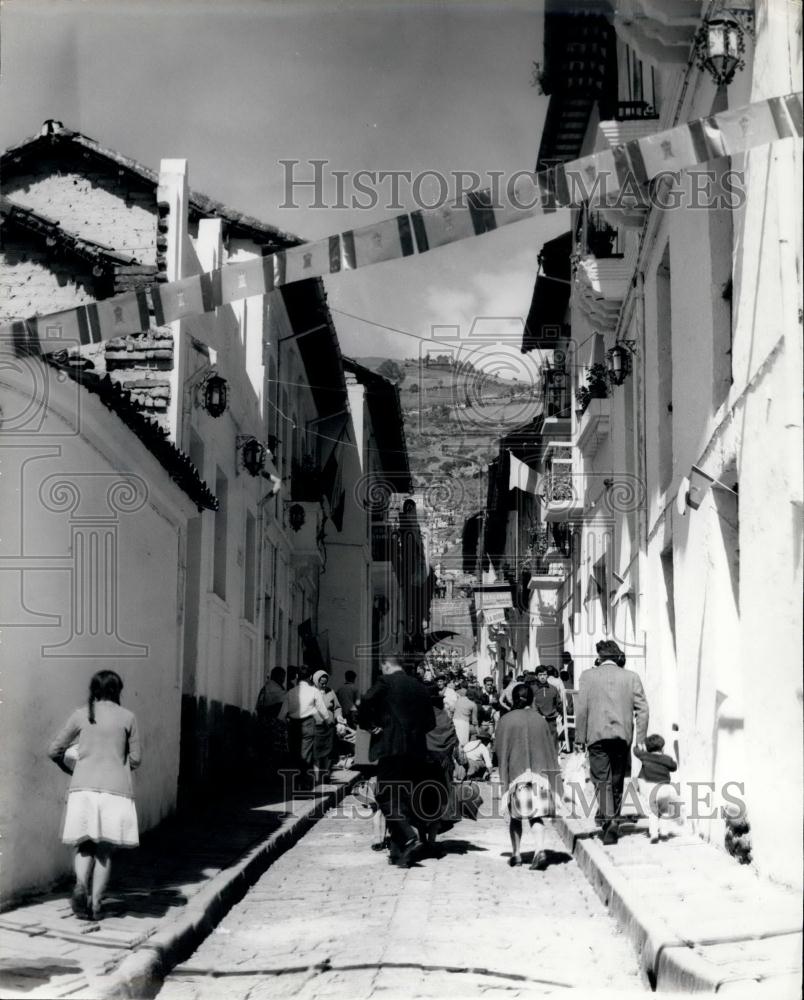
(392, 370)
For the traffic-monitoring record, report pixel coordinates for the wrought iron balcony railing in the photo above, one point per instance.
(628, 111)
(558, 487)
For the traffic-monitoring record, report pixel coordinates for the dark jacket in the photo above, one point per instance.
(547, 700)
(442, 738)
(655, 766)
(400, 707)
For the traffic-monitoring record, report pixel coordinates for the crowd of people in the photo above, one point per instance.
(434, 731)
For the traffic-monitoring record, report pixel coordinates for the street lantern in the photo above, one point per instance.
(720, 47)
(214, 394)
(296, 516)
(253, 454)
(619, 363)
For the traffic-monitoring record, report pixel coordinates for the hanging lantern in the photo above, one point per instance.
(215, 394)
(253, 456)
(296, 516)
(619, 363)
(720, 47)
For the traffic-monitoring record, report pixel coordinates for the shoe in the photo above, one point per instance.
(655, 840)
(381, 846)
(79, 903)
(96, 912)
(514, 861)
(405, 857)
(610, 834)
(539, 862)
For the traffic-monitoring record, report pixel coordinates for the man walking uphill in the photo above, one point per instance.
(398, 712)
(608, 698)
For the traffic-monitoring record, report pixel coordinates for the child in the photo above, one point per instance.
(478, 758)
(655, 788)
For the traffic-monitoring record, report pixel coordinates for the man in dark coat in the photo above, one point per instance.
(608, 699)
(398, 713)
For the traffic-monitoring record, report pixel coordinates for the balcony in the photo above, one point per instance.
(306, 533)
(562, 495)
(602, 282)
(593, 426)
(557, 409)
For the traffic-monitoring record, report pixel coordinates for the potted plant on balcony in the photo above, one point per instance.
(597, 387)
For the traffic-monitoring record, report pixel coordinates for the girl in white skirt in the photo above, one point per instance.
(100, 814)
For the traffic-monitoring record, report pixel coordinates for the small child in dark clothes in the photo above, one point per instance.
(655, 788)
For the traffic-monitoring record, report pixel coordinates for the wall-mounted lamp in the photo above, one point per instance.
(720, 44)
(213, 394)
(252, 453)
(296, 516)
(619, 361)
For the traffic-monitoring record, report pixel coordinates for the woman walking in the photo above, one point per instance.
(100, 814)
(464, 714)
(325, 731)
(529, 772)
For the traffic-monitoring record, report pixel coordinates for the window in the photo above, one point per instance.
(269, 603)
(219, 551)
(669, 590)
(721, 248)
(250, 570)
(664, 346)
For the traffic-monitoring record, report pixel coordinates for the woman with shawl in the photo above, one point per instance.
(529, 772)
(324, 753)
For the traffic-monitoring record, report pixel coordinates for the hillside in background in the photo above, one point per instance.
(454, 416)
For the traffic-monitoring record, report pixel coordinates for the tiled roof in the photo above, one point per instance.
(51, 230)
(53, 133)
(176, 463)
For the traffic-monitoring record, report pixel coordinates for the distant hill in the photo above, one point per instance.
(454, 418)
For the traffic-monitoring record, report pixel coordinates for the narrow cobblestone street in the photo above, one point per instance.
(332, 918)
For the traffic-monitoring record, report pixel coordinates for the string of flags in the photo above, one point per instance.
(624, 169)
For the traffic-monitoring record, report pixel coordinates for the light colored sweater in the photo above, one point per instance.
(108, 749)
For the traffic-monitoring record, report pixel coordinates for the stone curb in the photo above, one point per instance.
(140, 974)
(669, 961)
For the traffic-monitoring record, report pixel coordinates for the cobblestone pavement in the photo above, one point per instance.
(331, 918)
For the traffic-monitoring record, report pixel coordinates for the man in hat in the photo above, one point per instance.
(609, 698)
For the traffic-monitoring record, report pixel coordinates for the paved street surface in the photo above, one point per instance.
(46, 952)
(331, 918)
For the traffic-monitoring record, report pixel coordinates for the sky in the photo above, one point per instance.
(236, 86)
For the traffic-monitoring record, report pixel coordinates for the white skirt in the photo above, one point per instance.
(462, 730)
(528, 797)
(100, 816)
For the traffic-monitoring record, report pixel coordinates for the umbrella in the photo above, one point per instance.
(433, 638)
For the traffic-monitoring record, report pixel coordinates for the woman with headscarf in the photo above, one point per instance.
(325, 732)
(529, 772)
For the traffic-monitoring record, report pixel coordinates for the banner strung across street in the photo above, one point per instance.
(622, 171)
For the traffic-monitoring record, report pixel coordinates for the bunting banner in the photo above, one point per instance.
(522, 477)
(626, 168)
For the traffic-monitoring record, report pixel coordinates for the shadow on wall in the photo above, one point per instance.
(218, 748)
